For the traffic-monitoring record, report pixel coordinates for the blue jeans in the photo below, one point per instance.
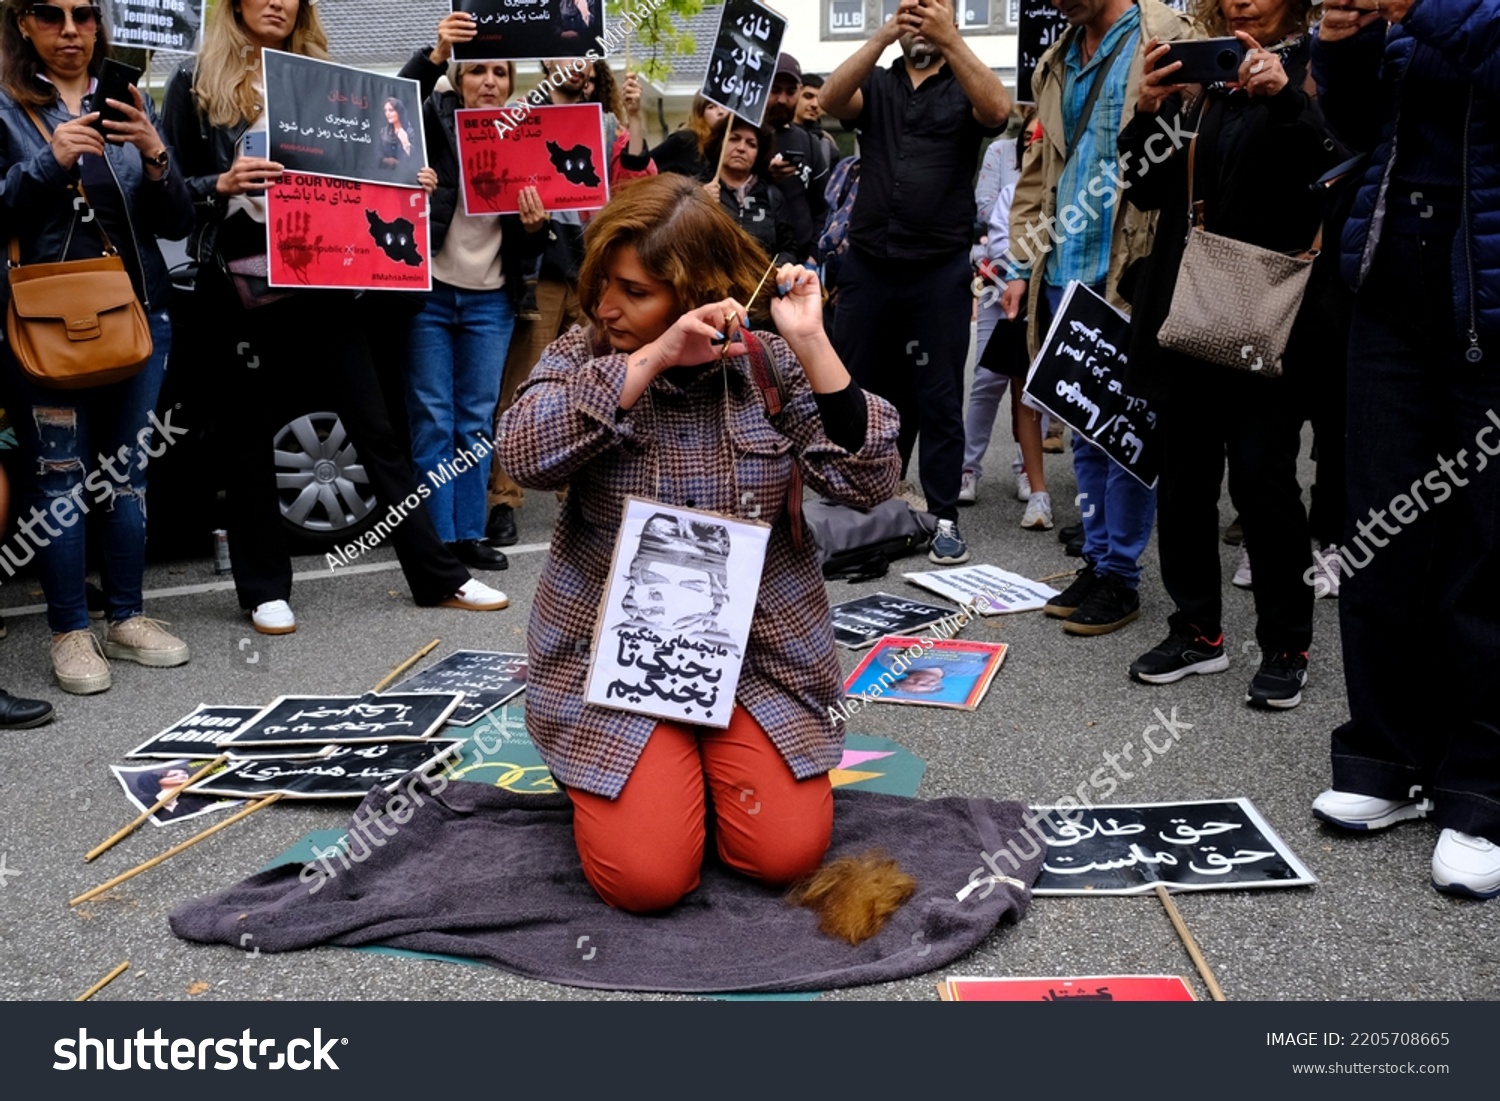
(1117, 510)
(88, 448)
(456, 359)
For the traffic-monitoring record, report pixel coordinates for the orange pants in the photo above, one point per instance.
(644, 850)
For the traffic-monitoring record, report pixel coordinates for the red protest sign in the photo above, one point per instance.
(332, 233)
(558, 150)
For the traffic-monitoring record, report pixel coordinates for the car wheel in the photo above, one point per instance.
(325, 494)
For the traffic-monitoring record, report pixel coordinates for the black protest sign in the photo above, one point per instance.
(858, 623)
(345, 720)
(511, 30)
(743, 63)
(1079, 377)
(197, 733)
(169, 25)
(487, 678)
(1210, 845)
(333, 120)
(1040, 25)
(349, 772)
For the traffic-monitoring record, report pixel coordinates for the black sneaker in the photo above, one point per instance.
(1066, 602)
(1178, 656)
(500, 528)
(1110, 605)
(1279, 683)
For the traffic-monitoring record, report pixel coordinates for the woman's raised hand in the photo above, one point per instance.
(1260, 73)
(248, 174)
(797, 308)
(76, 137)
(1156, 82)
(699, 336)
(452, 29)
(533, 213)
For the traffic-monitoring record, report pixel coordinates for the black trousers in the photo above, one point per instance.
(902, 329)
(322, 333)
(1421, 612)
(1211, 415)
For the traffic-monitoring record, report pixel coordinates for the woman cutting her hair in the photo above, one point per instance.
(656, 398)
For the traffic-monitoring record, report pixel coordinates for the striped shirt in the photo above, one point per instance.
(1082, 252)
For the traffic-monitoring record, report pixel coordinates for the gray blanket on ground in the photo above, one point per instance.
(489, 875)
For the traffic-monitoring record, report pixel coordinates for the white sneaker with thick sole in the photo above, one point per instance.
(1349, 811)
(476, 596)
(1038, 515)
(274, 617)
(1023, 486)
(1242, 578)
(968, 488)
(1466, 865)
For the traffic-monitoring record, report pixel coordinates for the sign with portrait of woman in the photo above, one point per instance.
(511, 30)
(675, 624)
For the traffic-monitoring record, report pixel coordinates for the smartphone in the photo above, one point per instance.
(1206, 60)
(115, 80)
(256, 143)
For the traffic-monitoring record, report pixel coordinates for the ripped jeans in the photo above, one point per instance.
(86, 452)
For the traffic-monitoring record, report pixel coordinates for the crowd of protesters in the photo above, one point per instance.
(1370, 125)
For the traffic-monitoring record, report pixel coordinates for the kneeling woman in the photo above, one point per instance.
(649, 401)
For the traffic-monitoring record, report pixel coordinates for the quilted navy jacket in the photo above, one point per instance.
(1360, 81)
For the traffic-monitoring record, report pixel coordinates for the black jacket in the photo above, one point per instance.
(37, 201)
(1257, 161)
(517, 247)
(764, 217)
(204, 152)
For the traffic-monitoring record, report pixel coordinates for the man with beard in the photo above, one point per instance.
(902, 321)
(800, 167)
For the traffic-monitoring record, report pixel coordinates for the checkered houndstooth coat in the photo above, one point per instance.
(673, 447)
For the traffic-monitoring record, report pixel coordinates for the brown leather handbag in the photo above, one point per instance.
(75, 324)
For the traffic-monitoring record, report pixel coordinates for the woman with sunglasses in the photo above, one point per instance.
(267, 346)
(73, 187)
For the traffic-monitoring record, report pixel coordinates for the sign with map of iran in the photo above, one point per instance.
(557, 150)
(331, 234)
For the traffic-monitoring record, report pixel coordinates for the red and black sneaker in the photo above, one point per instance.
(1279, 683)
(1179, 655)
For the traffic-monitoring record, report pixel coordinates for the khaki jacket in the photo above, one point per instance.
(1042, 166)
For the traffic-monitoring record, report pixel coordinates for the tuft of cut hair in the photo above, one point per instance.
(854, 895)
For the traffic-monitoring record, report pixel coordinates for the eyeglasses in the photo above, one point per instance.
(53, 16)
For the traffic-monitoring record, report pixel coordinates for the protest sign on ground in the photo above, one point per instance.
(991, 590)
(486, 678)
(346, 720)
(933, 673)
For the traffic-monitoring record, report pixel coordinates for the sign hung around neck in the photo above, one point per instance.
(672, 635)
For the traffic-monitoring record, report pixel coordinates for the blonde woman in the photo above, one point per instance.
(269, 346)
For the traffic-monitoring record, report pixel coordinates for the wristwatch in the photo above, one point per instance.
(161, 160)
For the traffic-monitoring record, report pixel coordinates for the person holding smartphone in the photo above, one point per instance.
(1262, 144)
(71, 181)
(269, 344)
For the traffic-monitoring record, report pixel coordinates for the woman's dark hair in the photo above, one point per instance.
(392, 101)
(607, 91)
(20, 64)
(765, 144)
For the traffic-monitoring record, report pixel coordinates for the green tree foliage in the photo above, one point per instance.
(661, 35)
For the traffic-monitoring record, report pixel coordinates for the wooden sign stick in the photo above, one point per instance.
(407, 664)
(175, 849)
(126, 831)
(102, 983)
(1190, 944)
(629, 10)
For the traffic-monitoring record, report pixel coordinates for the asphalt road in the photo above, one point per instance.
(1372, 929)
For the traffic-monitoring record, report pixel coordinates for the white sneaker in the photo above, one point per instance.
(968, 488)
(1466, 865)
(1329, 566)
(274, 617)
(1023, 486)
(1365, 812)
(1242, 578)
(1038, 516)
(476, 596)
